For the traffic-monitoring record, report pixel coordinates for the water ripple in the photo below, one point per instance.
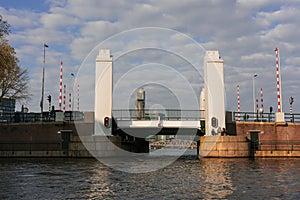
(187, 178)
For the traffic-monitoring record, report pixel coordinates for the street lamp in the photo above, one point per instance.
(43, 81)
(73, 77)
(253, 85)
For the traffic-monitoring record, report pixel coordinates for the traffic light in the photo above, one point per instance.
(291, 100)
(49, 98)
(106, 122)
(214, 122)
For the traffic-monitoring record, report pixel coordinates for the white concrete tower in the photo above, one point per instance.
(214, 93)
(103, 93)
(202, 104)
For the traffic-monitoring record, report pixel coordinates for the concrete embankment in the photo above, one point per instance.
(254, 139)
(223, 146)
(271, 139)
(61, 139)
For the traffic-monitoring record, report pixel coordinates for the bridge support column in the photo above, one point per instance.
(214, 93)
(103, 93)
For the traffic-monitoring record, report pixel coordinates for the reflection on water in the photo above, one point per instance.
(100, 182)
(187, 178)
(217, 177)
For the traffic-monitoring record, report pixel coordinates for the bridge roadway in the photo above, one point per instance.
(159, 122)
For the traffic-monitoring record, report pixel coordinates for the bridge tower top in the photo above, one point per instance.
(104, 56)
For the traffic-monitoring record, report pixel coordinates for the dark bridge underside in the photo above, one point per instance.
(146, 132)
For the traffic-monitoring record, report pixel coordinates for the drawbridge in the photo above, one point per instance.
(158, 121)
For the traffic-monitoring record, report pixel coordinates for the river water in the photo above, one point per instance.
(186, 178)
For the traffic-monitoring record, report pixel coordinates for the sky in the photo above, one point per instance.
(160, 40)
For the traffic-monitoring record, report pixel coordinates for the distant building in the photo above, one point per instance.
(7, 109)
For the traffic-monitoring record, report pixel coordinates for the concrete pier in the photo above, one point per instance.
(254, 139)
(62, 140)
(223, 146)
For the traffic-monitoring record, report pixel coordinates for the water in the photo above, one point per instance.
(187, 178)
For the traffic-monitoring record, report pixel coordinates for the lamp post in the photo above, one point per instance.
(253, 85)
(0, 22)
(73, 77)
(43, 81)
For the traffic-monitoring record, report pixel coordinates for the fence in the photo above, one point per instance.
(19, 117)
(154, 114)
(263, 117)
(30, 146)
(276, 145)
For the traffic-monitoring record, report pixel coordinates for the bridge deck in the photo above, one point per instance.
(158, 118)
(158, 124)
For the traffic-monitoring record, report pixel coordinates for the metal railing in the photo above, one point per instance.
(295, 117)
(251, 116)
(19, 117)
(263, 117)
(277, 145)
(22, 117)
(30, 146)
(155, 114)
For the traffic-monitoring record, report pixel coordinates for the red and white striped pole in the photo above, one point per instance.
(238, 100)
(256, 108)
(278, 81)
(70, 101)
(262, 103)
(78, 97)
(60, 85)
(65, 93)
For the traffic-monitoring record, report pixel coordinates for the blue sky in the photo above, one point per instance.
(34, 5)
(244, 32)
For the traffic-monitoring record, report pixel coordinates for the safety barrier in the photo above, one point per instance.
(263, 117)
(154, 114)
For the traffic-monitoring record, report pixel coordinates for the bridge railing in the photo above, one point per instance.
(263, 117)
(162, 114)
(252, 116)
(19, 117)
(295, 117)
(275, 145)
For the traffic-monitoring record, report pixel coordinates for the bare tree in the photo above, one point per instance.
(13, 78)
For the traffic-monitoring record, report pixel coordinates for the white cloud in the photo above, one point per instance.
(245, 33)
(58, 21)
(20, 18)
(254, 4)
